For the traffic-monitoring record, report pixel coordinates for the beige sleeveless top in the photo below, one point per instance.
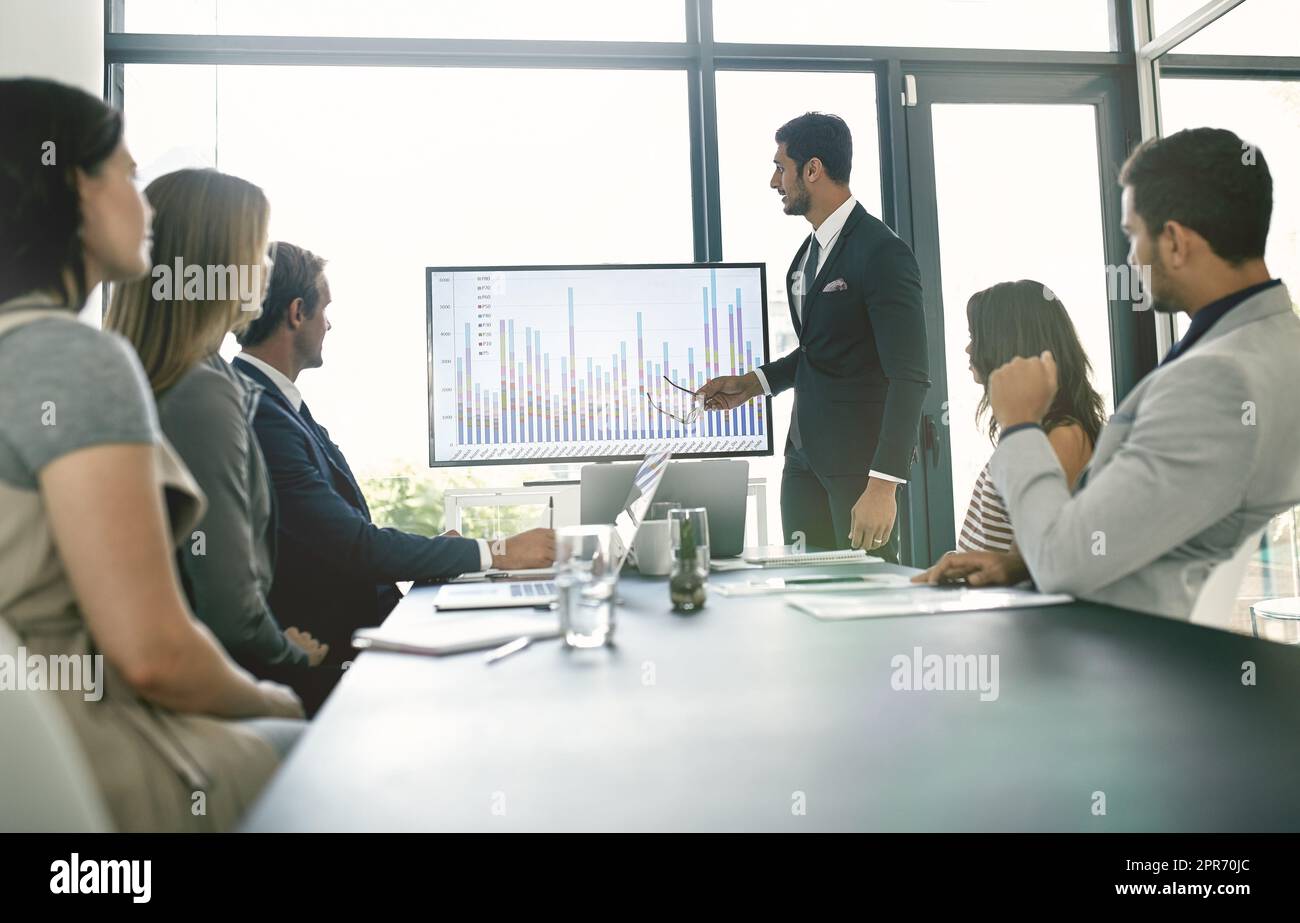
(157, 770)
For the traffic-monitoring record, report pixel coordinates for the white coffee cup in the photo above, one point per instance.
(654, 548)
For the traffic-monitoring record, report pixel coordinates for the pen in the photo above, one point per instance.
(507, 649)
(550, 507)
(823, 578)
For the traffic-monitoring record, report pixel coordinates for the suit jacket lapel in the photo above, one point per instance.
(855, 216)
(326, 452)
(269, 388)
(340, 464)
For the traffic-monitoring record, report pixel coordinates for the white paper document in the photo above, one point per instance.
(921, 600)
(453, 634)
(813, 583)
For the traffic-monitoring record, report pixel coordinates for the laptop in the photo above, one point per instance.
(719, 485)
(626, 521)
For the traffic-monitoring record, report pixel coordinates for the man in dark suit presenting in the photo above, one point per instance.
(860, 372)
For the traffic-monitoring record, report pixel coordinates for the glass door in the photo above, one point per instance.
(1011, 178)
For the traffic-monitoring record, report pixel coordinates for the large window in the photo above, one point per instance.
(1265, 113)
(384, 171)
(1218, 78)
(1256, 27)
(650, 21)
(1082, 25)
(990, 221)
(569, 131)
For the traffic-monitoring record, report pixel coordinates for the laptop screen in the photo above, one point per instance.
(644, 484)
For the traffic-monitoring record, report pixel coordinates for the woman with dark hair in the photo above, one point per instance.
(92, 497)
(1013, 319)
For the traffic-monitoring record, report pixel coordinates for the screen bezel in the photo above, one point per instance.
(429, 272)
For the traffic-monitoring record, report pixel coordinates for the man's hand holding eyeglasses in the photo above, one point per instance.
(727, 392)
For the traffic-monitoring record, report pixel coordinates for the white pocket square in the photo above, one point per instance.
(839, 285)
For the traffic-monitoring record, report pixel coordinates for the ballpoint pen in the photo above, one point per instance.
(505, 650)
(550, 508)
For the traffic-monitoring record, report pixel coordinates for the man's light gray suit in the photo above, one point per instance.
(1198, 457)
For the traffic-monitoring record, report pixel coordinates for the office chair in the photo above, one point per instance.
(1218, 597)
(45, 782)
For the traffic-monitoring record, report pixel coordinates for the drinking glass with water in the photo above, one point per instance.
(586, 574)
(661, 508)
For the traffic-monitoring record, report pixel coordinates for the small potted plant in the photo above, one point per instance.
(688, 584)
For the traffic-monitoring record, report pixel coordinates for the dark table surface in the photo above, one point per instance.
(750, 715)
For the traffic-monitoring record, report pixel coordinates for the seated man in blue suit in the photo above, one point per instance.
(335, 569)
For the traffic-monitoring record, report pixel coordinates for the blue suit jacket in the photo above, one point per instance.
(335, 569)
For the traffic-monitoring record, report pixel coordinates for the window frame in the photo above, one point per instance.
(699, 55)
(1157, 59)
(702, 58)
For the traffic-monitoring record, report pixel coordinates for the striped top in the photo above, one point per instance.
(987, 526)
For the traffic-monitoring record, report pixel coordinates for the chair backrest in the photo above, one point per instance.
(45, 782)
(1218, 598)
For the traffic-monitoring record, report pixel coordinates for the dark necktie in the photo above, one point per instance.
(321, 436)
(809, 273)
(331, 451)
(805, 286)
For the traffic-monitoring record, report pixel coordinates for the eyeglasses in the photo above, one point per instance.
(687, 418)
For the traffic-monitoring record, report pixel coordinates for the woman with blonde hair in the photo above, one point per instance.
(92, 498)
(211, 270)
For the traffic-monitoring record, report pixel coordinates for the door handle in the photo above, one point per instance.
(931, 440)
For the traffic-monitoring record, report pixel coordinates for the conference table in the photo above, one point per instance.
(750, 715)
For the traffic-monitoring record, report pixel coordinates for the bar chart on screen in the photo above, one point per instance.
(531, 364)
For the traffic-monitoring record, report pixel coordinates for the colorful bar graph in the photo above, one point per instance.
(608, 397)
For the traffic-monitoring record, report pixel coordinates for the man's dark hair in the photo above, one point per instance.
(47, 132)
(825, 137)
(1208, 180)
(296, 274)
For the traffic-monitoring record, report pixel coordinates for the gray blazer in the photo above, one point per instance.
(207, 416)
(1198, 457)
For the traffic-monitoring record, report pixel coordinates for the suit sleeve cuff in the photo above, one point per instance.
(886, 477)
(762, 380)
(292, 654)
(484, 554)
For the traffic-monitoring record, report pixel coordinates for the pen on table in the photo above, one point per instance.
(505, 650)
